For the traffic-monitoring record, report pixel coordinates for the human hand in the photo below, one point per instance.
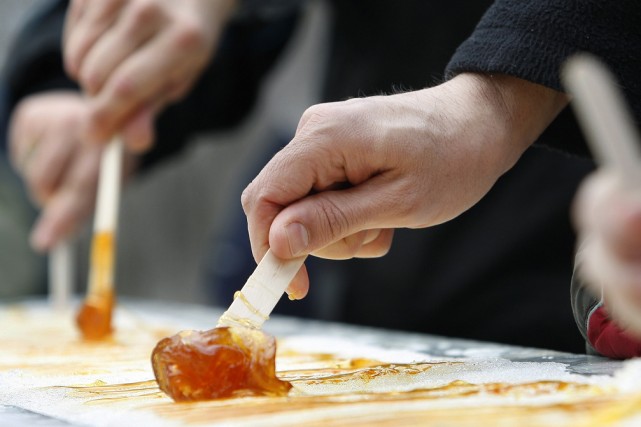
(356, 170)
(138, 55)
(608, 218)
(59, 169)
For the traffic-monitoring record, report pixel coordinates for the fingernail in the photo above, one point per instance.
(297, 237)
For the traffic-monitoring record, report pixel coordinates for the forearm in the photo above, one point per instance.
(504, 114)
(528, 109)
(531, 40)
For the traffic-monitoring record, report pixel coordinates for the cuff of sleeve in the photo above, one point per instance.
(513, 52)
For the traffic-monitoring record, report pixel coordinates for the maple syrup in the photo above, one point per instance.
(94, 317)
(218, 363)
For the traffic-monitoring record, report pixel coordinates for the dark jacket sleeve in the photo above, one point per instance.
(532, 39)
(34, 61)
(221, 99)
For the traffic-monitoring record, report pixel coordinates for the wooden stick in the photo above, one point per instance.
(61, 275)
(254, 303)
(94, 317)
(108, 197)
(106, 218)
(603, 114)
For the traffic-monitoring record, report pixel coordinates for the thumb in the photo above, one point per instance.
(339, 218)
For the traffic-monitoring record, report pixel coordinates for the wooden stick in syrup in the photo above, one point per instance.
(94, 317)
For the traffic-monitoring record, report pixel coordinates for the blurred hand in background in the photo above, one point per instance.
(134, 57)
(607, 214)
(59, 168)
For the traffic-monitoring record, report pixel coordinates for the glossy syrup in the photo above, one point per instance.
(218, 363)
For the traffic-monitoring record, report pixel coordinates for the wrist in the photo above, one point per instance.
(508, 113)
(524, 110)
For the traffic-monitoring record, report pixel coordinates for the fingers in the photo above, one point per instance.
(140, 81)
(617, 283)
(625, 307)
(43, 140)
(85, 24)
(341, 224)
(74, 13)
(44, 169)
(121, 40)
(69, 207)
(25, 129)
(608, 217)
(340, 189)
(135, 55)
(372, 243)
(59, 169)
(299, 286)
(332, 224)
(607, 211)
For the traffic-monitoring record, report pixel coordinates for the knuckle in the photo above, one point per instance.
(246, 199)
(254, 200)
(143, 12)
(110, 5)
(317, 114)
(317, 122)
(190, 35)
(124, 88)
(337, 121)
(334, 222)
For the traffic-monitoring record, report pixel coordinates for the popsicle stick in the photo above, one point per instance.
(602, 112)
(94, 317)
(61, 275)
(254, 303)
(108, 197)
(106, 220)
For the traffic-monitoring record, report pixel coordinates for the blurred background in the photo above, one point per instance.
(498, 272)
(169, 215)
(21, 271)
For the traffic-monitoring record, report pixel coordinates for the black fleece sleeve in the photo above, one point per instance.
(531, 40)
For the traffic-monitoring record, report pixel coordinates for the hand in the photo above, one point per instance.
(356, 170)
(608, 218)
(138, 55)
(59, 169)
